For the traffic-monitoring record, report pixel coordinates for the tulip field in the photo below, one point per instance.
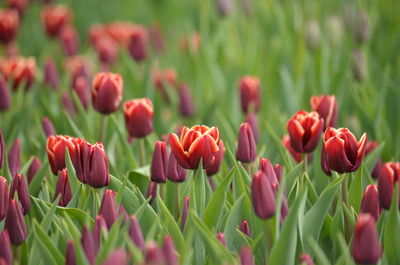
(168, 132)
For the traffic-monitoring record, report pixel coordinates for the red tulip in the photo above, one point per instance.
(221, 238)
(107, 50)
(139, 117)
(69, 39)
(97, 175)
(246, 147)
(305, 131)
(162, 78)
(159, 163)
(55, 18)
(252, 119)
(263, 195)
(15, 223)
(245, 228)
(219, 156)
(18, 5)
(3, 198)
(68, 105)
(186, 104)
(120, 31)
(99, 225)
(197, 143)
(70, 253)
(169, 250)
(14, 157)
(370, 201)
(343, 152)
(296, 156)
(9, 24)
(175, 172)
(249, 87)
(5, 250)
(306, 259)
(135, 233)
(5, 97)
(77, 66)
(108, 208)
(63, 188)
(89, 245)
(327, 108)
(55, 147)
(22, 71)
(51, 78)
(388, 175)
(107, 90)
(20, 186)
(246, 257)
(138, 43)
(153, 255)
(117, 257)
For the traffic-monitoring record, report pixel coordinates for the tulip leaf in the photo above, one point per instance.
(391, 236)
(112, 238)
(72, 178)
(233, 221)
(356, 190)
(35, 185)
(49, 251)
(320, 257)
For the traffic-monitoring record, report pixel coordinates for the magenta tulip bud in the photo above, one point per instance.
(122, 212)
(48, 127)
(246, 257)
(108, 208)
(216, 164)
(185, 211)
(63, 188)
(263, 195)
(69, 39)
(186, 104)
(370, 201)
(14, 157)
(252, 119)
(154, 255)
(306, 259)
(81, 86)
(15, 223)
(3, 198)
(366, 245)
(135, 233)
(70, 254)
(107, 50)
(159, 163)
(35, 166)
(20, 186)
(107, 91)
(5, 250)
(99, 225)
(169, 250)
(388, 175)
(324, 162)
(376, 169)
(245, 228)
(175, 172)
(2, 149)
(266, 167)
(246, 148)
(98, 175)
(89, 245)
(249, 87)
(117, 257)
(221, 238)
(327, 108)
(152, 191)
(5, 97)
(51, 78)
(137, 45)
(68, 103)
(278, 169)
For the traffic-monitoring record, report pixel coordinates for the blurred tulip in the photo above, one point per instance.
(246, 257)
(5, 97)
(5, 250)
(366, 245)
(55, 147)
(327, 109)
(186, 104)
(120, 31)
(262, 195)
(9, 24)
(169, 250)
(246, 147)
(359, 66)
(51, 78)
(89, 245)
(157, 38)
(55, 18)
(63, 188)
(18, 5)
(138, 43)
(14, 157)
(80, 158)
(252, 119)
(362, 30)
(3, 198)
(389, 174)
(20, 186)
(159, 162)
(185, 211)
(69, 39)
(219, 156)
(245, 228)
(306, 259)
(278, 169)
(335, 30)
(108, 208)
(162, 79)
(70, 254)
(68, 103)
(305, 131)
(175, 172)
(81, 86)
(135, 233)
(249, 87)
(99, 225)
(117, 257)
(221, 238)
(224, 7)
(48, 127)
(153, 255)
(152, 191)
(15, 223)
(312, 34)
(107, 90)
(376, 169)
(139, 117)
(98, 175)
(2, 149)
(77, 66)
(370, 201)
(107, 51)
(191, 43)
(324, 162)
(344, 153)
(21, 70)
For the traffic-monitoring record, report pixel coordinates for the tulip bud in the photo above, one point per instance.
(185, 211)
(327, 109)
(55, 18)
(221, 238)
(117, 257)
(359, 66)
(159, 162)
(306, 259)
(152, 191)
(186, 104)
(138, 43)
(161, 78)
(216, 164)
(69, 39)
(246, 148)
(9, 24)
(82, 89)
(107, 90)
(335, 30)
(376, 169)
(70, 254)
(108, 208)
(154, 255)
(366, 245)
(169, 250)
(224, 7)
(249, 93)
(362, 30)
(312, 34)
(67, 103)
(51, 74)
(120, 31)
(99, 225)
(80, 158)
(122, 212)
(135, 232)
(5, 250)
(324, 162)
(48, 127)
(388, 175)
(5, 97)
(89, 245)
(14, 157)
(262, 195)
(20, 186)
(175, 172)
(278, 169)
(107, 50)
(18, 5)
(15, 223)
(98, 175)
(157, 38)
(55, 147)
(246, 258)
(370, 201)
(63, 188)
(245, 228)
(35, 166)
(3, 198)
(252, 119)
(2, 149)
(139, 117)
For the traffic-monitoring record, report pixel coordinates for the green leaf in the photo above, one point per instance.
(112, 239)
(233, 220)
(391, 237)
(36, 183)
(49, 251)
(320, 257)
(356, 190)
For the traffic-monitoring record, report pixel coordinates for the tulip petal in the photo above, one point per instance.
(336, 155)
(181, 156)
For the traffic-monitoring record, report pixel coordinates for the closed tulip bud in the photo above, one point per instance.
(81, 87)
(263, 195)
(185, 211)
(366, 245)
(306, 259)
(197, 143)
(159, 163)
(186, 104)
(344, 153)
(80, 158)
(296, 156)
(70, 254)
(99, 225)
(3, 198)
(362, 30)
(252, 119)
(107, 50)
(376, 169)
(14, 157)
(335, 30)
(175, 172)
(135, 233)
(370, 201)
(63, 188)
(5, 97)
(108, 208)
(246, 257)
(9, 24)
(48, 127)
(312, 34)
(359, 66)
(51, 78)
(224, 7)
(388, 175)
(20, 186)
(68, 104)
(169, 250)
(89, 245)
(137, 45)
(327, 109)
(246, 148)
(107, 90)
(55, 147)
(221, 238)
(55, 18)
(157, 38)
(2, 149)
(152, 191)
(117, 257)
(98, 175)
(219, 156)
(139, 117)
(5, 250)
(305, 131)
(324, 162)
(249, 87)
(15, 223)
(245, 228)
(77, 66)
(278, 169)
(69, 39)
(154, 255)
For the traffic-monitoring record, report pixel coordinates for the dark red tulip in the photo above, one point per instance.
(117, 257)
(139, 117)
(305, 131)
(197, 143)
(70, 254)
(249, 87)
(68, 104)
(246, 257)
(14, 157)
(55, 18)
(107, 50)
(89, 245)
(371, 146)
(366, 245)
(263, 195)
(99, 225)
(324, 162)
(3, 198)
(48, 127)
(344, 153)
(120, 31)
(286, 143)
(81, 87)
(69, 39)
(376, 169)
(159, 163)
(245, 228)
(20, 186)
(306, 259)
(185, 211)
(35, 166)
(269, 171)
(21, 70)
(5, 97)
(135, 233)
(9, 24)
(153, 255)
(98, 175)
(171, 258)
(51, 78)
(252, 119)
(370, 201)
(63, 188)
(152, 191)
(2, 149)
(15, 223)
(246, 147)
(221, 238)
(5, 250)
(18, 5)
(327, 108)
(138, 43)
(219, 156)
(108, 208)
(175, 172)
(186, 104)
(388, 175)
(55, 147)
(107, 90)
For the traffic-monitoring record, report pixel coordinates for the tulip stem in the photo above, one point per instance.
(176, 201)
(345, 198)
(103, 126)
(142, 151)
(305, 163)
